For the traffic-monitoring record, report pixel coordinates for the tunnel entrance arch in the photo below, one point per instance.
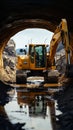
(19, 25)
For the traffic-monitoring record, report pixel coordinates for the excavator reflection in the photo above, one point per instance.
(39, 105)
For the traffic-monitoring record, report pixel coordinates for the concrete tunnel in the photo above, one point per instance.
(16, 15)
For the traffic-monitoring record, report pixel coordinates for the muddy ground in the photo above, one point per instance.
(64, 98)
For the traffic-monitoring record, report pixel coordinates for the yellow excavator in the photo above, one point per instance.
(38, 62)
(33, 63)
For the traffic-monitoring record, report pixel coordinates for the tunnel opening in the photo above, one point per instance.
(17, 26)
(19, 45)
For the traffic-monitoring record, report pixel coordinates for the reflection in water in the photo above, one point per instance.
(28, 110)
(31, 108)
(5, 123)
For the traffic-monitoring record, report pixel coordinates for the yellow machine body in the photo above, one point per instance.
(35, 59)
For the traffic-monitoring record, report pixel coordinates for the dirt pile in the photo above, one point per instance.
(9, 60)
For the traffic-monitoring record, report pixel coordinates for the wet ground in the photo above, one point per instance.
(22, 109)
(38, 109)
(34, 111)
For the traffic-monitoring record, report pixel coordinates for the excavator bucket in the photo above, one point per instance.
(69, 71)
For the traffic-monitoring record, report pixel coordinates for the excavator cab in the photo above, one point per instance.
(38, 56)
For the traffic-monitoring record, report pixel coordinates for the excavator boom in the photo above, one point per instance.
(61, 35)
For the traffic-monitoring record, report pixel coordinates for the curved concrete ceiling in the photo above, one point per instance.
(16, 15)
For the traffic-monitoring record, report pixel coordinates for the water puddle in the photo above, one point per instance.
(27, 110)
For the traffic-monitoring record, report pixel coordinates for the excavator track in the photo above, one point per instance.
(21, 77)
(52, 76)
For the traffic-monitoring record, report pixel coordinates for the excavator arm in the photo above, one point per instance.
(60, 34)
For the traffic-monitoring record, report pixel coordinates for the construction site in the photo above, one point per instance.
(36, 87)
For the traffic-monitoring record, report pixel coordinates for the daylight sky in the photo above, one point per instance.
(34, 35)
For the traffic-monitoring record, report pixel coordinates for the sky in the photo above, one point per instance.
(29, 36)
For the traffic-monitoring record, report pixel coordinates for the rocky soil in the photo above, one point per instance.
(9, 60)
